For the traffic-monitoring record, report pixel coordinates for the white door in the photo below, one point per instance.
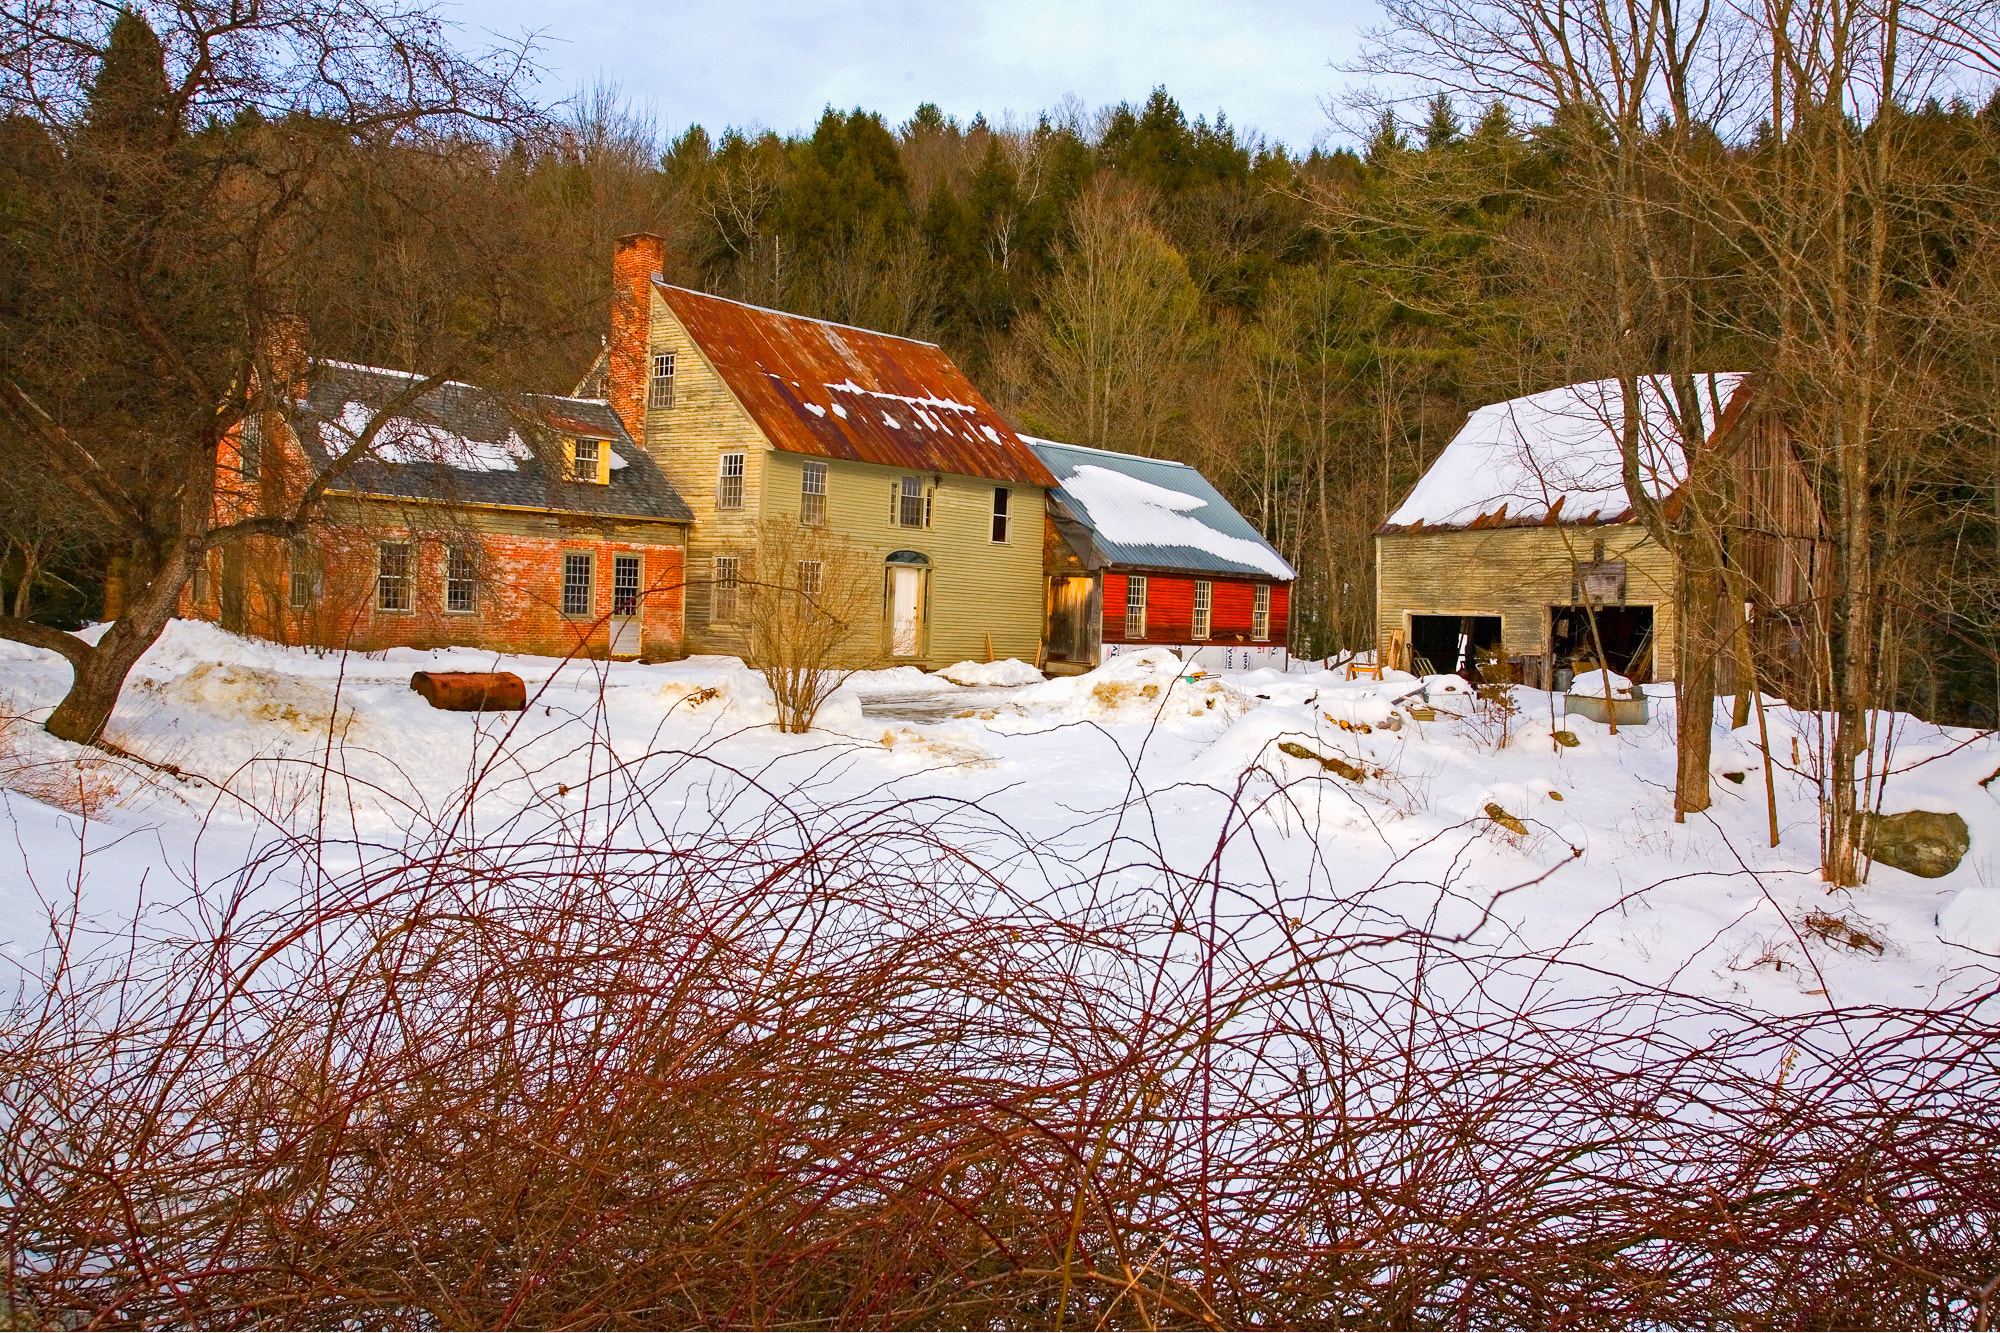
(906, 598)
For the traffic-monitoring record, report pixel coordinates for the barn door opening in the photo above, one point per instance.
(1070, 619)
(1451, 644)
(1627, 632)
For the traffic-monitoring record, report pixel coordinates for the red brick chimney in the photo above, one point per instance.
(639, 258)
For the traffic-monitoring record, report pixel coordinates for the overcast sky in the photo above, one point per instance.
(777, 63)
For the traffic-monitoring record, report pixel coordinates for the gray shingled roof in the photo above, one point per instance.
(1150, 513)
(467, 445)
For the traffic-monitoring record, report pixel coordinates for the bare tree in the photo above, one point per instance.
(205, 172)
(812, 604)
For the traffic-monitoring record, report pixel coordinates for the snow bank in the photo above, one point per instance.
(1138, 687)
(1009, 671)
(1972, 920)
(1592, 682)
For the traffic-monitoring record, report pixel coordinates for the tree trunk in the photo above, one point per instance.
(97, 677)
(1698, 593)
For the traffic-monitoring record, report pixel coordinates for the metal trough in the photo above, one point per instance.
(472, 691)
(1629, 712)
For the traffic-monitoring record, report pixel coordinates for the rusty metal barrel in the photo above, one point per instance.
(472, 691)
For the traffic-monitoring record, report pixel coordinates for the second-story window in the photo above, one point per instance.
(812, 494)
(1002, 497)
(1260, 615)
(1135, 607)
(392, 576)
(729, 482)
(660, 388)
(912, 506)
(1204, 593)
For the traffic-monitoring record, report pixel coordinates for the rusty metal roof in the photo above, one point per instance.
(839, 392)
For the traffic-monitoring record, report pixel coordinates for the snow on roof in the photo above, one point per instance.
(1557, 453)
(1155, 514)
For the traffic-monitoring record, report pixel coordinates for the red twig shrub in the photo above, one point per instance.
(783, 1066)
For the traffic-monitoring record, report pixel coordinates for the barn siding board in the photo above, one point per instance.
(1231, 606)
(1516, 574)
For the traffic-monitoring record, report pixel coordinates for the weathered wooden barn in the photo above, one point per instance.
(522, 524)
(1143, 552)
(1521, 534)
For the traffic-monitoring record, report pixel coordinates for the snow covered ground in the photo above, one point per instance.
(1175, 792)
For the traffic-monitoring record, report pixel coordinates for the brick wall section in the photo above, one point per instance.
(518, 558)
(518, 601)
(638, 257)
(1170, 610)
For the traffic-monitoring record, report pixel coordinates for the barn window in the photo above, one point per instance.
(1203, 592)
(578, 582)
(812, 494)
(660, 389)
(722, 600)
(392, 576)
(1001, 497)
(1135, 607)
(729, 482)
(625, 585)
(461, 588)
(1260, 616)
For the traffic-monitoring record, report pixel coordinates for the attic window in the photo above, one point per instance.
(660, 389)
(587, 460)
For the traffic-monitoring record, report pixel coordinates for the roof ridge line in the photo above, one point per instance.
(789, 314)
(1093, 449)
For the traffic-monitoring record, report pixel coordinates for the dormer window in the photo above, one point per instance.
(660, 388)
(587, 461)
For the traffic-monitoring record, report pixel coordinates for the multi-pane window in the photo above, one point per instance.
(577, 582)
(586, 460)
(729, 482)
(812, 493)
(392, 576)
(1203, 594)
(1001, 498)
(303, 578)
(722, 598)
(625, 585)
(1260, 615)
(250, 447)
(660, 389)
(461, 580)
(912, 509)
(812, 574)
(1135, 607)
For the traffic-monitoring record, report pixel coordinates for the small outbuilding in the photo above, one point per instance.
(1144, 552)
(1521, 535)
